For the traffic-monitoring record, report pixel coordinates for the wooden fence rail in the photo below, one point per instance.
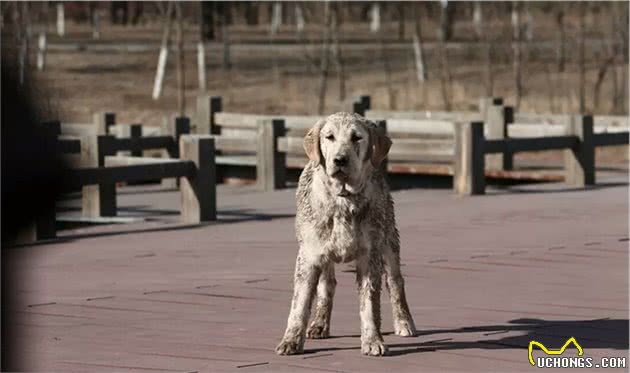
(195, 169)
(579, 145)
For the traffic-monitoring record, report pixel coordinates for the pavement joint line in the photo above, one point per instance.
(518, 252)
(155, 292)
(41, 304)
(438, 261)
(557, 248)
(252, 365)
(99, 298)
(256, 280)
(316, 356)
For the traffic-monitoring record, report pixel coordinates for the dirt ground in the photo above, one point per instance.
(76, 83)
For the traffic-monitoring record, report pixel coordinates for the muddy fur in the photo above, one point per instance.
(345, 213)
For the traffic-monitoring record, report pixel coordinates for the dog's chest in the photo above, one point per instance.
(344, 233)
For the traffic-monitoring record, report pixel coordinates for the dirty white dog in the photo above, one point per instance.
(345, 213)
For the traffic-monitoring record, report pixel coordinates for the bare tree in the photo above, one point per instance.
(560, 53)
(339, 63)
(181, 76)
(25, 35)
(323, 80)
(489, 50)
(161, 67)
(276, 20)
(610, 54)
(421, 70)
(225, 34)
(478, 19)
(400, 7)
(300, 23)
(94, 20)
(445, 74)
(581, 62)
(620, 29)
(516, 51)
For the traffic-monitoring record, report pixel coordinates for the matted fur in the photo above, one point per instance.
(345, 213)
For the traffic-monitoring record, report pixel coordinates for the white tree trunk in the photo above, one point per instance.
(276, 19)
(299, 19)
(96, 25)
(375, 18)
(161, 66)
(417, 46)
(478, 19)
(61, 22)
(41, 51)
(201, 66)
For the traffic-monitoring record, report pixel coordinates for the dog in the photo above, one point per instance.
(345, 213)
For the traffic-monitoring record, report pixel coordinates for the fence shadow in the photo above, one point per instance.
(560, 188)
(224, 217)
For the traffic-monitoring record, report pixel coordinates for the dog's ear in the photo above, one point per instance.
(379, 146)
(311, 142)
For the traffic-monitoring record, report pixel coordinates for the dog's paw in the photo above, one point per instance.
(404, 328)
(290, 347)
(318, 330)
(373, 347)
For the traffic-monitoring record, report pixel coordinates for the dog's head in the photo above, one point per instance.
(348, 147)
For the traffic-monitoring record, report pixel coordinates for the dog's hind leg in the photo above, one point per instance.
(320, 326)
(403, 322)
(304, 287)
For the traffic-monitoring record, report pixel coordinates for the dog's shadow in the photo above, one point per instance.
(599, 333)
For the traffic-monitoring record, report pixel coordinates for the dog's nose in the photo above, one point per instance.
(341, 160)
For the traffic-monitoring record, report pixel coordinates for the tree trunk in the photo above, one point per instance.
(401, 20)
(276, 20)
(94, 20)
(25, 34)
(181, 76)
(445, 75)
(324, 62)
(161, 67)
(375, 17)
(421, 71)
(61, 21)
(489, 51)
(561, 36)
(335, 22)
(251, 13)
(225, 36)
(516, 49)
(581, 62)
(446, 20)
(206, 28)
(478, 19)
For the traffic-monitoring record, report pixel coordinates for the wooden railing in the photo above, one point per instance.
(98, 169)
(579, 144)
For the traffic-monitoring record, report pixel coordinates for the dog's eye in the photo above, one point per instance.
(330, 137)
(355, 138)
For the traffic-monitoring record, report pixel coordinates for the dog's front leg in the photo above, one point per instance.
(369, 271)
(320, 326)
(304, 286)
